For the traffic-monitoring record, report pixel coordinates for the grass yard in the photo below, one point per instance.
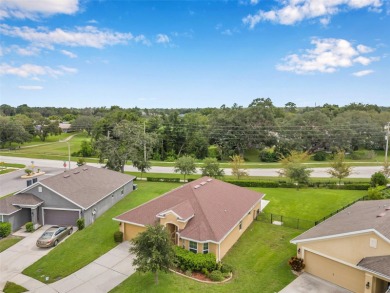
(85, 246)
(8, 242)
(11, 287)
(259, 259)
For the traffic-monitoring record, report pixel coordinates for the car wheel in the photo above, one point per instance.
(55, 243)
(70, 231)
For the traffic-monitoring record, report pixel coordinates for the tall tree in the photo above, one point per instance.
(153, 250)
(237, 168)
(185, 165)
(211, 168)
(293, 167)
(339, 168)
(142, 165)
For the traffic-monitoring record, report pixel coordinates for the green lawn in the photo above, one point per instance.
(85, 246)
(307, 204)
(11, 287)
(8, 242)
(259, 259)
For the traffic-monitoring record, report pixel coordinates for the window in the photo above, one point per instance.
(193, 247)
(240, 225)
(205, 248)
(122, 191)
(39, 188)
(183, 243)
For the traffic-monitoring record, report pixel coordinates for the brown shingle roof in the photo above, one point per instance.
(378, 264)
(218, 206)
(184, 210)
(10, 204)
(86, 185)
(363, 215)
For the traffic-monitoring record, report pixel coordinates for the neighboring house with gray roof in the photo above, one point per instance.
(352, 248)
(84, 192)
(205, 215)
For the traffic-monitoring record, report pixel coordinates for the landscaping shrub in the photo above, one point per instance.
(205, 272)
(28, 171)
(118, 236)
(188, 273)
(80, 223)
(350, 186)
(269, 184)
(188, 260)
(268, 155)
(378, 178)
(161, 179)
(226, 268)
(296, 263)
(29, 227)
(320, 156)
(216, 276)
(5, 229)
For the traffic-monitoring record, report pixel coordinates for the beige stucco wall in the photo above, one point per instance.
(335, 272)
(236, 233)
(350, 249)
(170, 218)
(130, 231)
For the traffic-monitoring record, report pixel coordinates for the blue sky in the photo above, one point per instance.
(170, 54)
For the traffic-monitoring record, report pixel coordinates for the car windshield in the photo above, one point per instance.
(47, 235)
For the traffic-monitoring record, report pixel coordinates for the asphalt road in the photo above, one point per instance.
(358, 172)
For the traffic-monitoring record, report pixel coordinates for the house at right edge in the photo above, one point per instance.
(352, 248)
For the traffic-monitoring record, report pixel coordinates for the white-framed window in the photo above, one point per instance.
(205, 248)
(193, 247)
(183, 243)
(39, 188)
(240, 225)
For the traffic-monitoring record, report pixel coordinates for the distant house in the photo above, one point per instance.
(203, 216)
(84, 192)
(352, 248)
(65, 126)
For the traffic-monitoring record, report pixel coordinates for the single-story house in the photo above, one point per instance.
(84, 192)
(352, 248)
(65, 126)
(204, 216)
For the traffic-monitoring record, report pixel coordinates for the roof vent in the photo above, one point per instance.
(196, 186)
(381, 215)
(203, 183)
(209, 180)
(76, 172)
(66, 175)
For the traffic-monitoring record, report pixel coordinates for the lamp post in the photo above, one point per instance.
(68, 152)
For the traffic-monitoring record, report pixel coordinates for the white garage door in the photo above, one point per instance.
(60, 217)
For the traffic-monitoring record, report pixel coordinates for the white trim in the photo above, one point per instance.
(63, 196)
(29, 187)
(59, 209)
(189, 239)
(27, 205)
(128, 222)
(185, 220)
(10, 213)
(387, 278)
(163, 214)
(341, 235)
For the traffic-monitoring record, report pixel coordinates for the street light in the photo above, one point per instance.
(68, 152)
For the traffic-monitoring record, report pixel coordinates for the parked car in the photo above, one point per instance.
(53, 235)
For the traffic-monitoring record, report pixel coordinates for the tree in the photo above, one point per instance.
(386, 169)
(339, 168)
(153, 250)
(211, 168)
(236, 165)
(127, 142)
(293, 167)
(142, 165)
(185, 165)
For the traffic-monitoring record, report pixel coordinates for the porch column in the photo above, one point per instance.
(368, 283)
(34, 215)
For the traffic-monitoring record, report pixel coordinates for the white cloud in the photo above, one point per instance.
(327, 56)
(294, 11)
(69, 54)
(87, 36)
(142, 39)
(33, 9)
(33, 71)
(162, 39)
(254, 2)
(363, 73)
(227, 32)
(31, 87)
(93, 21)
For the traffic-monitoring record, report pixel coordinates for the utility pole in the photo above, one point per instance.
(387, 128)
(108, 134)
(144, 142)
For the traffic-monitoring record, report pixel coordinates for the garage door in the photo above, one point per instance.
(334, 272)
(61, 217)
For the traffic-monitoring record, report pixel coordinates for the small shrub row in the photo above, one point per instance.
(296, 263)
(187, 260)
(161, 179)
(350, 186)
(29, 227)
(118, 236)
(5, 229)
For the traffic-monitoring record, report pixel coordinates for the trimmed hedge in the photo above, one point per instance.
(187, 260)
(5, 229)
(29, 227)
(161, 179)
(118, 236)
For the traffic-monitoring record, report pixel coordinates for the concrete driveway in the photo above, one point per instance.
(307, 283)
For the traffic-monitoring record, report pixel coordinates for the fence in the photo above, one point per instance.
(285, 221)
(339, 210)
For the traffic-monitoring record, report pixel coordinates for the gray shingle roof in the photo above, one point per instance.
(363, 215)
(10, 204)
(378, 264)
(86, 185)
(217, 205)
